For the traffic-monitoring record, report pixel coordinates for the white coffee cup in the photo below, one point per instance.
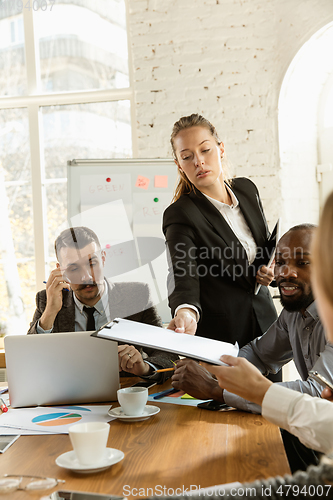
(89, 441)
(133, 400)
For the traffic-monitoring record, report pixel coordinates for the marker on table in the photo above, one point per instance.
(67, 289)
(160, 395)
(3, 406)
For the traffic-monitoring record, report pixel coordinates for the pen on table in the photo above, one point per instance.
(3, 406)
(165, 370)
(160, 395)
(67, 289)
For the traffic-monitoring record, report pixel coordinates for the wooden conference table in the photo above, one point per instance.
(179, 447)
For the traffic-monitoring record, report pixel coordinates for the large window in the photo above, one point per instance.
(64, 93)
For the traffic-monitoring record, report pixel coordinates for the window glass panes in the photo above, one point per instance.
(82, 45)
(79, 131)
(56, 196)
(17, 262)
(13, 79)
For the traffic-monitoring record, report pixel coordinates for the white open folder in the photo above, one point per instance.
(191, 346)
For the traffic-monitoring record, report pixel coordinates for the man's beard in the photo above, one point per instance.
(297, 304)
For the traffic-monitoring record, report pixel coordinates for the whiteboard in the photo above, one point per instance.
(123, 202)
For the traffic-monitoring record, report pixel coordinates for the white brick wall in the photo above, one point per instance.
(225, 59)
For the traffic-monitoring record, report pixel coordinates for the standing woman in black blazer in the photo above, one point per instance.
(216, 233)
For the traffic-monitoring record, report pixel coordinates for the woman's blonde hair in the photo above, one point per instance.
(184, 186)
(322, 250)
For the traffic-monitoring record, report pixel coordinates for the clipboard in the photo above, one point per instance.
(191, 346)
(269, 250)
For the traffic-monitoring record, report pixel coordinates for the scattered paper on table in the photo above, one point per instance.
(177, 398)
(52, 420)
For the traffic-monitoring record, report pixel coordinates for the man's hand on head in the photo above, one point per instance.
(131, 361)
(196, 381)
(54, 287)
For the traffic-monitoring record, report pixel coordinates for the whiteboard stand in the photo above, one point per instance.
(123, 201)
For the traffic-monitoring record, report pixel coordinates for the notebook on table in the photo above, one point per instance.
(60, 368)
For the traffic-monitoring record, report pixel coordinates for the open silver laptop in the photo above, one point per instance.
(59, 368)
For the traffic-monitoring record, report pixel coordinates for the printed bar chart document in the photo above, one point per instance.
(191, 346)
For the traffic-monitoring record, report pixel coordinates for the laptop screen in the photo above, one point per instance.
(61, 368)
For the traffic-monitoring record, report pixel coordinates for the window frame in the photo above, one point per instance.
(33, 101)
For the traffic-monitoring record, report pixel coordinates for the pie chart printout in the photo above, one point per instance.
(59, 418)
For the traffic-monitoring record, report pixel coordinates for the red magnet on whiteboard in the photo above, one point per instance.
(107, 245)
(108, 179)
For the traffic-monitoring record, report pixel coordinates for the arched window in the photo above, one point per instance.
(300, 120)
(325, 139)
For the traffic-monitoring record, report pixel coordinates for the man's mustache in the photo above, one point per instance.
(84, 285)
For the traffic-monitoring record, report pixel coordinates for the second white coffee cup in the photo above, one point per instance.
(89, 441)
(133, 400)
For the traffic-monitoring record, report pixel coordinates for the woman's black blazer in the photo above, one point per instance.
(208, 266)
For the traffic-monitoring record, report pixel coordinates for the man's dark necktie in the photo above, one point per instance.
(91, 320)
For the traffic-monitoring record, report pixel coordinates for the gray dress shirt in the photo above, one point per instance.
(292, 336)
(101, 313)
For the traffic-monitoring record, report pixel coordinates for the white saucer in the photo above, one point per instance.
(148, 412)
(69, 461)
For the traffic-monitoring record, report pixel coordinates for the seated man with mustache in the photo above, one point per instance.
(78, 297)
(297, 334)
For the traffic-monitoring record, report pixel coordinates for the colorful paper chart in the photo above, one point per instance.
(54, 420)
(57, 419)
(60, 418)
